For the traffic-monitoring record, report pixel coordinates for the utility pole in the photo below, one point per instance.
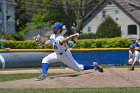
(0, 18)
(4, 19)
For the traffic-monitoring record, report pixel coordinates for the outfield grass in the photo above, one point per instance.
(9, 69)
(12, 77)
(76, 90)
(63, 67)
(37, 68)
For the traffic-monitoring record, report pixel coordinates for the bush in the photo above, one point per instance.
(82, 43)
(87, 36)
(17, 36)
(104, 43)
(28, 44)
(8, 37)
(108, 29)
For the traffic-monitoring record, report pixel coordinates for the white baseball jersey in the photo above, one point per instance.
(134, 56)
(61, 54)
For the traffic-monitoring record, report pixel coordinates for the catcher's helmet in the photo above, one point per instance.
(58, 25)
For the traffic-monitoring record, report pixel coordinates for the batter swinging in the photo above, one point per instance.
(62, 53)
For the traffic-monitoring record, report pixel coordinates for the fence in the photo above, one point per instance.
(33, 57)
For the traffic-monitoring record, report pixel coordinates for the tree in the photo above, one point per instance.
(69, 12)
(108, 29)
(84, 8)
(26, 9)
(22, 17)
(74, 11)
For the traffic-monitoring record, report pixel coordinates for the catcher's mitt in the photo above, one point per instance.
(39, 40)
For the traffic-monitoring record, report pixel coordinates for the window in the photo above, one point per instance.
(132, 29)
(103, 14)
(89, 29)
(110, 2)
(116, 12)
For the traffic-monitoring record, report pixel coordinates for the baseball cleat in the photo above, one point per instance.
(98, 67)
(42, 77)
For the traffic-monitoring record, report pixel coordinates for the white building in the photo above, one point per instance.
(125, 12)
(7, 16)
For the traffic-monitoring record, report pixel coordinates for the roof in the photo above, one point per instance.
(132, 10)
(134, 2)
(130, 7)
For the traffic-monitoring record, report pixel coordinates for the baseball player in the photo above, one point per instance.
(137, 43)
(62, 53)
(134, 56)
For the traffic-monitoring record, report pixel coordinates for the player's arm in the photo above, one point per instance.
(48, 42)
(130, 55)
(65, 40)
(134, 63)
(136, 59)
(45, 43)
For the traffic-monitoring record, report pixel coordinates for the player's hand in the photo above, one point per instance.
(37, 38)
(39, 41)
(76, 35)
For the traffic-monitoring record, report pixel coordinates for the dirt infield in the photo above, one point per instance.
(112, 77)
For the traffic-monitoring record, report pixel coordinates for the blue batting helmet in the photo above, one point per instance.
(132, 47)
(58, 25)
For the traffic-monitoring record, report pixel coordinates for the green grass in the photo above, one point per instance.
(37, 68)
(11, 77)
(63, 67)
(9, 69)
(73, 90)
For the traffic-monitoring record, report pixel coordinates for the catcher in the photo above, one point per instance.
(134, 56)
(61, 52)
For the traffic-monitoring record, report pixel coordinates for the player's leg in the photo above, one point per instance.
(79, 67)
(68, 59)
(130, 61)
(45, 64)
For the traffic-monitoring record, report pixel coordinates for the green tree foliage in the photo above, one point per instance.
(108, 29)
(38, 21)
(22, 16)
(69, 12)
(74, 11)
